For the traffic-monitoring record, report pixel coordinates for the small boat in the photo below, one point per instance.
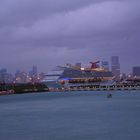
(109, 95)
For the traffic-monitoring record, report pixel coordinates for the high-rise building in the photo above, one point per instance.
(5, 76)
(136, 71)
(33, 74)
(105, 65)
(34, 71)
(115, 66)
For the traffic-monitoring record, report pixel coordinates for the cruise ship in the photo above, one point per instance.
(73, 76)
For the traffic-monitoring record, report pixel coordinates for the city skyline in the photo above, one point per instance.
(106, 65)
(49, 33)
(34, 76)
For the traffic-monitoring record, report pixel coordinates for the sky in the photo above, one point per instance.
(47, 33)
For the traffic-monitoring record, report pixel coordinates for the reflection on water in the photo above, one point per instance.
(70, 116)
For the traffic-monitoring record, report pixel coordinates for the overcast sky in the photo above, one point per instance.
(47, 33)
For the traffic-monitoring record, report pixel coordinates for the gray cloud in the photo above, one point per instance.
(25, 12)
(37, 31)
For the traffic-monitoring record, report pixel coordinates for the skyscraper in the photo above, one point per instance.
(5, 76)
(115, 66)
(33, 73)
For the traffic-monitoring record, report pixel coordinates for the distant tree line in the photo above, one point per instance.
(23, 88)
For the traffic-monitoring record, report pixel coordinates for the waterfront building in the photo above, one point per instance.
(115, 67)
(5, 76)
(136, 71)
(20, 77)
(3, 73)
(41, 76)
(123, 76)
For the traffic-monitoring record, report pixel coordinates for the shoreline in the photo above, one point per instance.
(99, 88)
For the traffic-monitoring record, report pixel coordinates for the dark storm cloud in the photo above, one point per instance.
(63, 30)
(82, 21)
(25, 12)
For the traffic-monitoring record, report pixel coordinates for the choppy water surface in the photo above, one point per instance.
(70, 116)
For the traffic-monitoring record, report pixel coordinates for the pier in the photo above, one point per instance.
(98, 88)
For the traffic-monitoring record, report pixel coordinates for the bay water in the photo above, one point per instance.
(79, 115)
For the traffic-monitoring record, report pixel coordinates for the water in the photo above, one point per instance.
(70, 116)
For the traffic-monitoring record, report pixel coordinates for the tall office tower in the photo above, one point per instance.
(115, 66)
(105, 65)
(33, 74)
(3, 75)
(136, 71)
(34, 71)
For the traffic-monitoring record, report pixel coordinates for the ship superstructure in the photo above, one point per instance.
(71, 76)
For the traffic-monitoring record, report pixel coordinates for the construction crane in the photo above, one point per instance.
(94, 64)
